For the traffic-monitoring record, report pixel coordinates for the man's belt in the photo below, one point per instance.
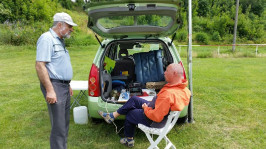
(61, 81)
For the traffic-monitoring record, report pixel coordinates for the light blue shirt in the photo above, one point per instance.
(51, 50)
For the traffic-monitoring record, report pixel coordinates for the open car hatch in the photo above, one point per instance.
(140, 19)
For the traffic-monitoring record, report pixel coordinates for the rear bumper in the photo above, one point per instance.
(96, 103)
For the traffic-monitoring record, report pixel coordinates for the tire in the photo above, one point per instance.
(96, 120)
(182, 120)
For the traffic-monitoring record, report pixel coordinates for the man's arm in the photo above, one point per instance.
(45, 80)
(162, 107)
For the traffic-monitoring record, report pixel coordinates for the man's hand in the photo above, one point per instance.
(144, 105)
(70, 91)
(45, 80)
(51, 97)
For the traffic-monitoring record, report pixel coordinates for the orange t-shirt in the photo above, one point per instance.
(171, 97)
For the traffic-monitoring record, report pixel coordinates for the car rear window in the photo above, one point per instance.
(141, 20)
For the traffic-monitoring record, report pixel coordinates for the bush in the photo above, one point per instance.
(18, 33)
(182, 36)
(203, 9)
(81, 40)
(27, 10)
(197, 28)
(216, 36)
(202, 38)
(66, 3)
(221, 24)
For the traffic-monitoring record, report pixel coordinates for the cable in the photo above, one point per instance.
(117, 132)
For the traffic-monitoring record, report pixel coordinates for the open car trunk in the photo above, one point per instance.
(133, 67)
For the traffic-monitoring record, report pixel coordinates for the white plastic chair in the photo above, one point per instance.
(161, 132)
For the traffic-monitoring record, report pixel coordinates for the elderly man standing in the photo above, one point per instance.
(54, 70)
(174, 96)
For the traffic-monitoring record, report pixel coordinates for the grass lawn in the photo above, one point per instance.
(229, 105)
(209, 51)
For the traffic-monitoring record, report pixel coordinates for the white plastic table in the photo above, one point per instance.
(82, 86)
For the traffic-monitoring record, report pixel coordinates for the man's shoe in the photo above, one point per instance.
(127, 142)
(108, 117)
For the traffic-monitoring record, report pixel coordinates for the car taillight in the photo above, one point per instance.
(184, 72)
(94, 88)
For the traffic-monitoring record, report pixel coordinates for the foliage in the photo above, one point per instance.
(182, 36)
(4, 13)
(203, 8)
(216, 36)
(216, 18)
(66, 4)
(213, 17)
(27, 10)
(249, 29)
(202, 38)
(17, 33)
(81, 40)
(256, 6)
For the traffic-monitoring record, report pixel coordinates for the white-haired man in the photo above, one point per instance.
(54, 71)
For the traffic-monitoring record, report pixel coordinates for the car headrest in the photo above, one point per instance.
(122, 53)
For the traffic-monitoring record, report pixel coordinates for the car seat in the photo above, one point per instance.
(123, 53)
(124, 66)
(149, 66)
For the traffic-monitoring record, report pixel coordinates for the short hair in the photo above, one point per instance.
(56, 22)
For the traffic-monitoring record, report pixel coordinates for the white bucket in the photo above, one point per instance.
(80, 115)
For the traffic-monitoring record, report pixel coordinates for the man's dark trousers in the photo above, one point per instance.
(59, 115)
(134, 115)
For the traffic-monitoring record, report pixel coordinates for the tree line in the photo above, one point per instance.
(213, 20)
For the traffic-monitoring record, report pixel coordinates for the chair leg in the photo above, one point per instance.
(169, 144)
(156, 142)
(153, 145)
(77, 98)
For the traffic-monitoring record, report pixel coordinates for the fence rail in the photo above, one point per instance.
(218, 50)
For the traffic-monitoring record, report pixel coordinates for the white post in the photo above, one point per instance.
(257, 50)
(189, 59)
(218, 50)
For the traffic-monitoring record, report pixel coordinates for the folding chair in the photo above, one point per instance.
(161, 132)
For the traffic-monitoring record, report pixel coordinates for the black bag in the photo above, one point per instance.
(125, 65)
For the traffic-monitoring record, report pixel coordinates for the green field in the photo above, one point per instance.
(229, 105)
(216, 51)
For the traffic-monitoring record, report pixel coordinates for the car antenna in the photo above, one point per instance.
(170, 44)
(99, 40)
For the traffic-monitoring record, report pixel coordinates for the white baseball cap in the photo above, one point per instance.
(64, 17)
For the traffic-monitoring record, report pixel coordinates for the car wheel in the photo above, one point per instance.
(96, 120)
(182, 120)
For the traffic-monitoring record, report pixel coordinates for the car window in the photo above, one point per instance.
(141, 20)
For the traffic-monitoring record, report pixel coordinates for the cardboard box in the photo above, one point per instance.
(155, 85)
